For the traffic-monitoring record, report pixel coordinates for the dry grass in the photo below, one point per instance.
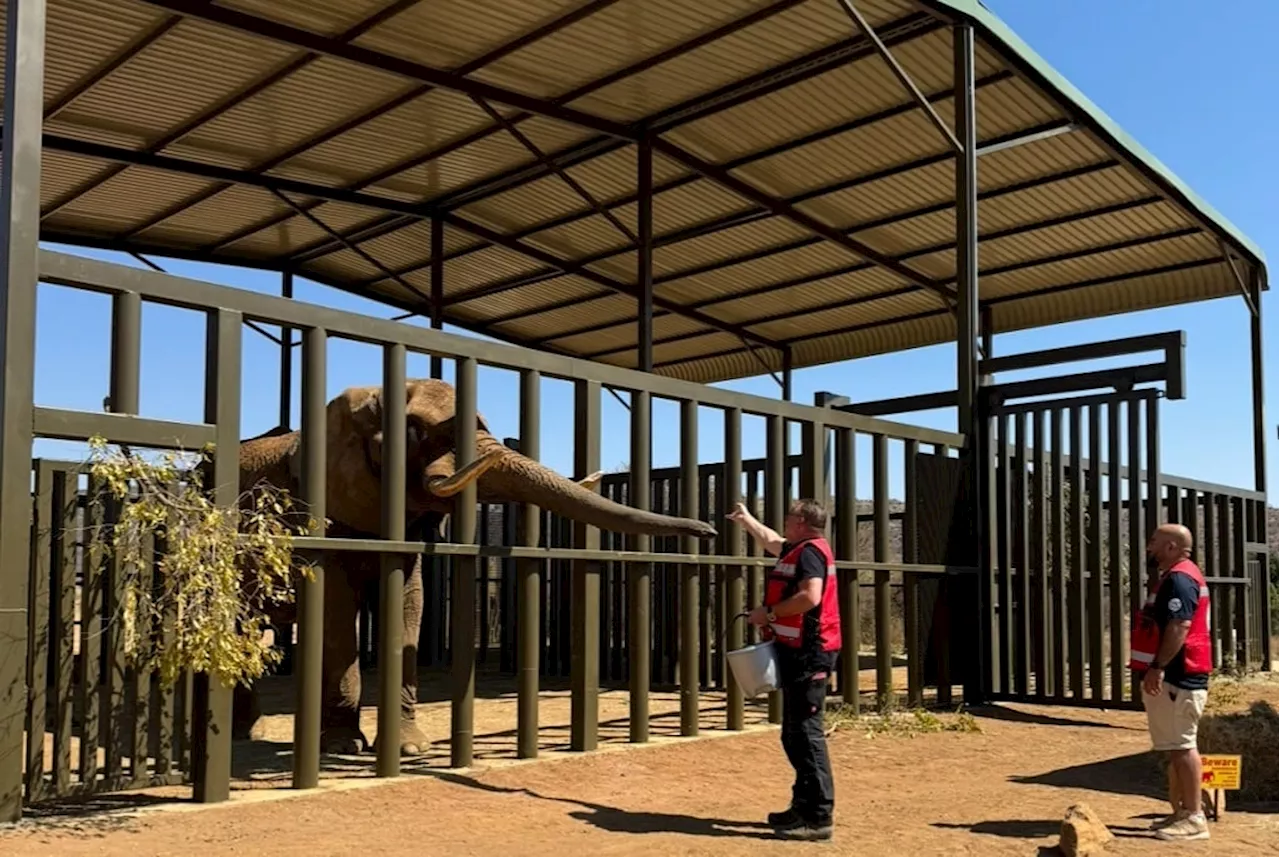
(1237, 722)
(898, 724)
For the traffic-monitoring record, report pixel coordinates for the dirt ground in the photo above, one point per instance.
(1000, 790)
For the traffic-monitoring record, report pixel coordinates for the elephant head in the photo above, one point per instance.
(501, 474)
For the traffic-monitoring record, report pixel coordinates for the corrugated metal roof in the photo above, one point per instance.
(350, 101)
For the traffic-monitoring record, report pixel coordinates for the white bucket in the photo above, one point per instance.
(755, 668)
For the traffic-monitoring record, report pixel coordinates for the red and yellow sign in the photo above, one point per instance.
(1220, 772)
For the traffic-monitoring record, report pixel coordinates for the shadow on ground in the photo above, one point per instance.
(1136, 774)
(617, 820)
(1013, 715)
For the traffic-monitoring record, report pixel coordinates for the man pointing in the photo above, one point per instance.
(801, 613)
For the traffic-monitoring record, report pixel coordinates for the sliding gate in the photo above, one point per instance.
(1073, 498)
(1075, 490)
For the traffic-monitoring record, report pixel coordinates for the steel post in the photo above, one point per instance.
(437, 287)
(883, 591)
(286, 357)
(211, 715)
(775, 506)
(20, 203)
(585, 610)
(462, 608)
(639, 596)
(310, 653)
(735, 590)
(690, 635)
(391, 588)
(528, 595)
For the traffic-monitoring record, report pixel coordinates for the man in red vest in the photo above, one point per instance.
(801, 613)
(1175, 681)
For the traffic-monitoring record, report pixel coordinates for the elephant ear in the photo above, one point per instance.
(366, 413)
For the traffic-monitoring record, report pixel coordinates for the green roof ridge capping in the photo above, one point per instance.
(1006, 41)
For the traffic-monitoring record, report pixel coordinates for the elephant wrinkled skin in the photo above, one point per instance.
(353, 463)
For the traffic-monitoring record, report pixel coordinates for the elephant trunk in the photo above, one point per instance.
(517, 478)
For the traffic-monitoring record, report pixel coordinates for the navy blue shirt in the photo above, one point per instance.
(1177, 599)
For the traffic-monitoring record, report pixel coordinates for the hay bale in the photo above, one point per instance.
(1253, 735)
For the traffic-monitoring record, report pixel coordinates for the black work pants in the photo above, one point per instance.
(804, 694)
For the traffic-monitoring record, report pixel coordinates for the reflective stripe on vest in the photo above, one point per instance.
(789, 630)
(1144, 639)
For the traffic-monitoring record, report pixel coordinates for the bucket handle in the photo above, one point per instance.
(729, 625)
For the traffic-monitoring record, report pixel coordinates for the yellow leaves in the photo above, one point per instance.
(197, 580)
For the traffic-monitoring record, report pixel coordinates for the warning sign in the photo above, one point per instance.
(1220, 772)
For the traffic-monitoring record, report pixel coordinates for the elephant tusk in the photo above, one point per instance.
(448, 486)
(592, 481)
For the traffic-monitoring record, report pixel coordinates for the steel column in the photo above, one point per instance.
(735, 589)
(310, 652)
(437, 287)
(690, 636)
(639, 636)
(883, 593)
(644, 256)
(20, 219)
(528, 596)
(775, 505)
(391, 588)
(462, 608)
(211, 711)
(286, 357)
(585, 584)
(847, 548)
(967, 317)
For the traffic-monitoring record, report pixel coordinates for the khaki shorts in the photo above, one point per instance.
(1173, 716)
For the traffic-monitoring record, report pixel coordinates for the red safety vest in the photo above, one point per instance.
(1144, 639)
(789, 630)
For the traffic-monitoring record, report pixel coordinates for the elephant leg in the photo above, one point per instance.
(413, 741)
(245, 711)
(340, 706)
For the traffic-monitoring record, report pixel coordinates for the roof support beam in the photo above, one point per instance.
(782, 209)
(331, 47)
(901, 73)
(1235, 272)
(280, 185)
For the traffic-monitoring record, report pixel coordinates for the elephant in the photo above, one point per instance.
(353, 462)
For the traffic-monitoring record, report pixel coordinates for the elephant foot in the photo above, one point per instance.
(343, 740)
(413, 741)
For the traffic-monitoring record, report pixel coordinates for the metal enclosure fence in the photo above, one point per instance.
(160, 744)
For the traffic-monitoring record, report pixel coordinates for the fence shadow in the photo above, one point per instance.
(1137, 774)
(1014, 715)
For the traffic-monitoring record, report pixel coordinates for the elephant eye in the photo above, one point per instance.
(412, 435)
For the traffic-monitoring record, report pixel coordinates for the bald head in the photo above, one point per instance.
(1169, 544)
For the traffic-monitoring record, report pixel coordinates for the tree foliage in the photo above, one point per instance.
(196, 580)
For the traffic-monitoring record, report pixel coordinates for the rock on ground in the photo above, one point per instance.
(1083, 833)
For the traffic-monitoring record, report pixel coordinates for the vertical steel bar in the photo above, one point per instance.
(1221, 629)
(1058, 598)
(910, 587)
(1039, 554)
(640, 574)
(1095, 646)
(437, 290)
(462, 606)
(529, 595)
(1076, 590)
(286, 357)
(1115, 566)
(41, 625)
(775, 506)
(309, 656)
(689, 607)
(1022, 557)
(89, 689)
(735, 589)
(585, 609)
(943, 634)
(1137, 540)
(883, 590)
(1212, 552)
(391, 585)
(1004, 541)
(20, 219)
(1235, 614)
(644, 256)
(1152, 517)
(1261, 595)
(126, 352)
(63, 584)
(211, 727)
(966, 195)
(847, 547)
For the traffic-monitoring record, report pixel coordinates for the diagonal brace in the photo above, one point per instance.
(1235, 271)
(901, 73)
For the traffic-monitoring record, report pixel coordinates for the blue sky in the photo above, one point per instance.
(1197, 90)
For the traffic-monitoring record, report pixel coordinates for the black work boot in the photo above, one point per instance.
(786, 818)
(810, 830)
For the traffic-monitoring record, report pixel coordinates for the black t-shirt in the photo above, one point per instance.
(810, 658)
(1176, 599)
